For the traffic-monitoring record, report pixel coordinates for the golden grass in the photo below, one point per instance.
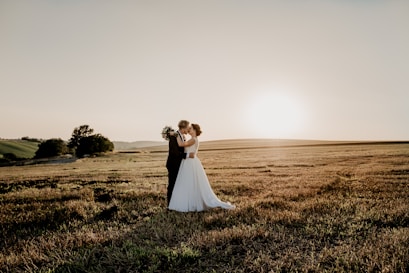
(300, 209)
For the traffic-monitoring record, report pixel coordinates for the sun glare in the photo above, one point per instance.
(273, 115)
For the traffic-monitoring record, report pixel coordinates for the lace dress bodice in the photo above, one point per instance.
(194, 148)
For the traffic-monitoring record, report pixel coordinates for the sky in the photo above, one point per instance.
(293, 69)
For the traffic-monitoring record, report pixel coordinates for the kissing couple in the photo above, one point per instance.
(188, 186)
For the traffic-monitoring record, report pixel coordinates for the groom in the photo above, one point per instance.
(176, 154)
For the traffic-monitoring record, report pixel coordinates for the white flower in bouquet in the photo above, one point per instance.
(165, 132)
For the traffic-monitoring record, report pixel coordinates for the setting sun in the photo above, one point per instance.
(275, 115)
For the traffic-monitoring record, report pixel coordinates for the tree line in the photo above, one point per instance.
(82, 142)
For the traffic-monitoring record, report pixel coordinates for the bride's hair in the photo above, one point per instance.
(197, 129)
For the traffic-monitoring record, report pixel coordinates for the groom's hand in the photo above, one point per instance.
(192, 155)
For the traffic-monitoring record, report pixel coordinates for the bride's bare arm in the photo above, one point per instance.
(188, 143)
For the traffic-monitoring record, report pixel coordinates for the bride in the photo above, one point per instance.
(192, 190)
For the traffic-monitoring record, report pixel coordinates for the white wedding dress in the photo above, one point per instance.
(192, 191)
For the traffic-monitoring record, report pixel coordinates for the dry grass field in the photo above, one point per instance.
(335, 208)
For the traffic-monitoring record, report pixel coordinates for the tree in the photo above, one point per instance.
(78, 134)
(94, 144)
(51, 147)
(83, 142)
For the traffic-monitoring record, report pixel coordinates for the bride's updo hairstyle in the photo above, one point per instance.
(197, 129)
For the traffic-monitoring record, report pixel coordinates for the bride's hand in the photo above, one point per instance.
(192, 155)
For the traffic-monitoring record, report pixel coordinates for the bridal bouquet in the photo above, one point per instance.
(165, 132)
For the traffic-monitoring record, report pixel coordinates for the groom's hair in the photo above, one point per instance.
(183, 124)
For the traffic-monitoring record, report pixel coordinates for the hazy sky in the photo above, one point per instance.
(331, 69)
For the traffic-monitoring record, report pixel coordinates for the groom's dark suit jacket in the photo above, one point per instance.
(175, 156)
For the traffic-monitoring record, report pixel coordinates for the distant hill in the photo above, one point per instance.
(21, 148)
(265, 143)
(27, 149)
(226, 144)
(136, 145)
(233, 144)
(258, 143)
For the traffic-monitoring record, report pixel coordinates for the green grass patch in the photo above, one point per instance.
(21, 148)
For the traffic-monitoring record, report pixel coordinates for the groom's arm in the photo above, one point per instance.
(179, 143)
(182, 143)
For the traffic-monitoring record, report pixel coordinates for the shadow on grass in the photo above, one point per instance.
(324, 229)
(50, 219)
(316, 232)
(6, 187)
(167, 241)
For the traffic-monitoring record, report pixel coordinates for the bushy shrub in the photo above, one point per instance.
(3, 160)
(83, 142)
(10, 157)
(51, 147)
(94, 144)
